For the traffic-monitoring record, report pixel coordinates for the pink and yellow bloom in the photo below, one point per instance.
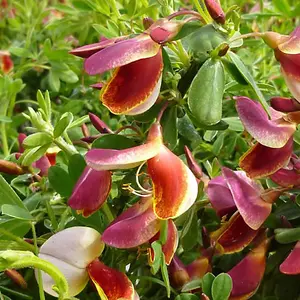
(274, 137)
(174, 185)
(75, 251)
(137, 62)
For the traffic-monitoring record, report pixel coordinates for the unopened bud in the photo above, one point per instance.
(193, 165)
(273, 39)
(215, 10)
(16, 277)
(178, 274)
(9, 167)
(147, 22)
(85, 130)
(99, 124)
(97, 86)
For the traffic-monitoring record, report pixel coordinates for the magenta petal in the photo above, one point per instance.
(134, 227)
(88, 50)
(220, 196)
(286, 177)
(248, 273)
(121, 54)
(285, 104)
(43, 164)
(270, 133)
(251, 206)
(90, 191)
(291, 264)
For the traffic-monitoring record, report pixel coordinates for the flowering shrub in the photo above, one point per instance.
(149, 149)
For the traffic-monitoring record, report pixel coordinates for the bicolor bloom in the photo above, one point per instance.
(235, 192)
(74, 251)
(6, 63)
(174, 186)
(137, 62)
(274, 137)
(248, 273)
(287, 52)
(138, 225)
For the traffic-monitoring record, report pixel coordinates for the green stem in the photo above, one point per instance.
(206, 19)
(106, 210)
(69, 149)
(51, 214)
(163, 231)
(4, 139)
(247, 35)
(184, 57)
(39, 272)
(17, 239)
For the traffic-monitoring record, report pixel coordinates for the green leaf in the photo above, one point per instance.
(248, 77)
(165, 275)
(221, 287)
(103, 31)
(234, 123)
(37, 139)
(5, 119)
(60, 181)
(113, 141)
(283, 6)
(167, 63)
(190, 231)
(234, 71)
(155, 265)
(15, 226)
(34, 154)
(207, 282)
(16, 212)
(187, 29)
(8, 195)
(20, 52)
(170, 127)
(76, 166)
(54, 82)
(63, 124)
(44, 103)
(218, 144)
(287, 235)
(206, 93)
(131, 7)
(192, 285)
(186, 296)
(68, 76)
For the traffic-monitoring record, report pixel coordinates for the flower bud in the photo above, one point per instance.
(99, 124)
(215, 10)
(9, 167)
(147, 22)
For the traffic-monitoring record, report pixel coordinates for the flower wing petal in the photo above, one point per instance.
(291, 264)
(90, 191)
(270, 133)
(134, 227)
(251, 206)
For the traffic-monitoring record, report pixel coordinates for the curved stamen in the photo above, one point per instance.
(137, 179)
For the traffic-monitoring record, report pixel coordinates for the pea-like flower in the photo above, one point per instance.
(137, 62)
(74, 251)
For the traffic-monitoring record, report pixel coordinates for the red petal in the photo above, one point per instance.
(90, 191)
(174, 185)
(234, 235)
(286, 177)
(248, 273)
(285, 104)
(291, 264)
(120, 54)
(134, 88)
(260, 161)
(110, 283)
(134, 227)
